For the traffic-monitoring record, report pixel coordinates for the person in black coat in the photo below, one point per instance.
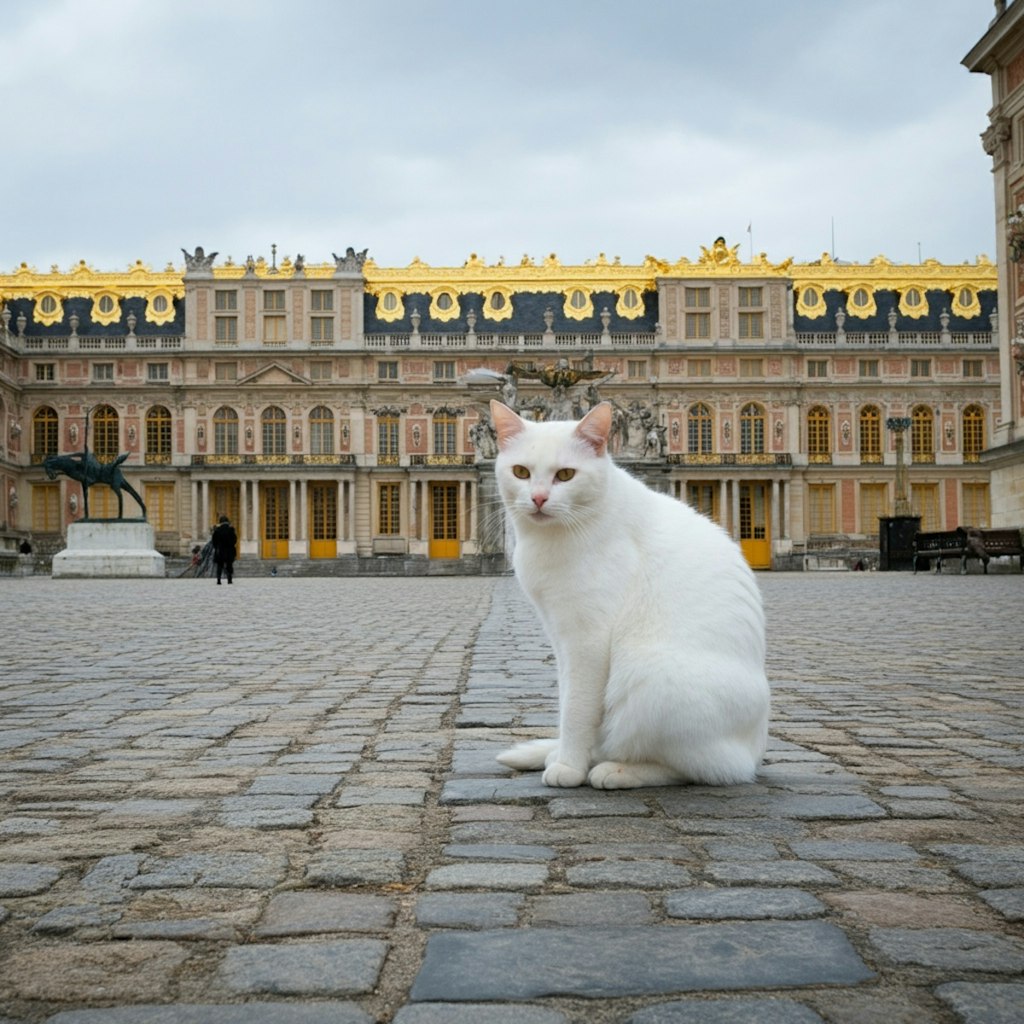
(225, 544)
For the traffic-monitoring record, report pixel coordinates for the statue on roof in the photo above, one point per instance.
(352, 260)
(720, 254)
(198, 260)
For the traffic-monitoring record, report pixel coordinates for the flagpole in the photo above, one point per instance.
(750, 232)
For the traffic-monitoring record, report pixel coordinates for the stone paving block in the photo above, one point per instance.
(310, 913)
(528, 788)
(896, 875)
(591, 908)
(773, 805)
(356, 867)
(957, 949)
(361, 796)
(468, 909)
(631, 961)
(229, 870)
(732, 1011)
(1008, 902)
(499, 851)
(480, 1013)
(984, 1002)
(649, 874)
(910, 910)
(26, 879)
(743, 903)
(733, 849)
(291, 784)
(524, 877)
(66, 919)
(338, 967)
(771, 872)
(609, 805)
(992, 874)
(830, 849)
(220, 1013)
(267, 819)
(115, 971)
(187, 929)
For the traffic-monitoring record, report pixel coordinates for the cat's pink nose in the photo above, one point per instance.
(539, 499)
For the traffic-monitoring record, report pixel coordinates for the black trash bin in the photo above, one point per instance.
(896, 542)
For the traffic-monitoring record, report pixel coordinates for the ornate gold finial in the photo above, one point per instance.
(720, 255)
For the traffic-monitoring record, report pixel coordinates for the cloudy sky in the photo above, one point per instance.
(436, 130)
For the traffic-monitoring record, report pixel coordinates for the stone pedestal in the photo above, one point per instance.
(109, 548)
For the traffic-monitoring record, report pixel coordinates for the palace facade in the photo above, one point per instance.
(337, 411)
(1000, 54)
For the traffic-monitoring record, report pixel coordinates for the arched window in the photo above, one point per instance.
(275, 426)
(158, 435)
(321, 431)
(974, 432)
(922, 434)
(445, 428)
(105, 433)
(45, 433)
(819, 434)
(225, 431)
(751, 429)
(870, 434)
(700, 424)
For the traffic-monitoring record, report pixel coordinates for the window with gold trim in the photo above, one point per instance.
(922, 434)
(389, 509)
(498, 304)
(752, 420)
(275, 431)
(444, 305)
(49, 309)
(821, 509)
(390, 306)
(811, 301)
(629, 304)
(158, 435)
(974, 432)
(160, 307)
(924, 502)
(46, 517)
(106, 308)
(912, 302)
(965, 301)
(445, 434)
(819, 434)
(105, 433)
(873, 506)
(45, 433)
(870, 422)
(160, 507)
(321, 431)
(579, 304)
(700, 427)
(225, 431)
(861, 301)
(975, 508)
(703, 498)
(387, 438)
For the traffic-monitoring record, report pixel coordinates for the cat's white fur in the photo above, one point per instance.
(654, 615)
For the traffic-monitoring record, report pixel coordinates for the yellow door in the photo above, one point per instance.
(225, 500)
(754, 531)
(323, 520)
(274, 501)
(444, 520)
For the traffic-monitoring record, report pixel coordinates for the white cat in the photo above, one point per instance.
(654, 615)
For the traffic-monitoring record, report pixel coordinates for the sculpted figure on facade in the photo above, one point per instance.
(198, 260)
(351, 261)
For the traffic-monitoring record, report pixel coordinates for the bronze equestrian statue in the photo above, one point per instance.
(88, 470)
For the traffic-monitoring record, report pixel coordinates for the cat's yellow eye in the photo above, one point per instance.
(565, 474)
(521, 472)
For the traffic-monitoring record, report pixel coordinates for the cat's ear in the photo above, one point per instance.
(595, 428)
(506, 422)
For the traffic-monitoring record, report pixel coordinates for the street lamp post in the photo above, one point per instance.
(899, 426)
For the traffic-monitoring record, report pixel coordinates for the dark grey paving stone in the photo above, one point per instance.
(732, 1011)
(523, 788)
(66, 919)
(592, 908)
(950, 949)
(225, 1013)
(355, 867)
(191, 928)
(1008, 902)
(992, 873)
(830, 849)
(771, 805)
(984, 1002)
(598, 805)
(339, 967)
(26, 879)
(312, 913)
(464, 966)
(743, 903)
(489, 875)
(212, 870)
(291, 784)
(499, 851)
(644, 874)
(468, 910)
(454, 1013)
(771, 872)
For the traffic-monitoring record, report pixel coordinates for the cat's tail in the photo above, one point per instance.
(529, 756)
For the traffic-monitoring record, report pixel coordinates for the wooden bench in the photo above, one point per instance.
(964, 543)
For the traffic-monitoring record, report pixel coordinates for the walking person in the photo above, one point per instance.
(225, 544)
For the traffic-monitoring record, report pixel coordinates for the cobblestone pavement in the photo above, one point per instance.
(277, 803)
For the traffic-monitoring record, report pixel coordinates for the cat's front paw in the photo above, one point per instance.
(613, 775)
(564, 775)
